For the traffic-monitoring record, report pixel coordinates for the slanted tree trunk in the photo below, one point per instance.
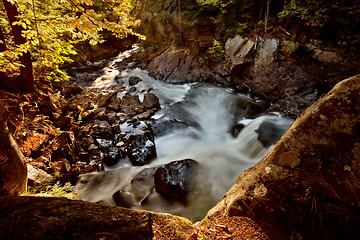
(26, 70)
(2, 43)
(13, 169)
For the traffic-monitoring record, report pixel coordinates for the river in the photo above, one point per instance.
(223, 131)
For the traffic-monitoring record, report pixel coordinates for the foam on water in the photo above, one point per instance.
(208, 113)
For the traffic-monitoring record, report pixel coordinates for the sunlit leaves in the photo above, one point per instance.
(53, 27)
(312, 12)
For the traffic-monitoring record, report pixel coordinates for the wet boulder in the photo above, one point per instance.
(139, 189)
(134, 80)
(236, 129)
(102, 129)
(166, 127)
(112, 155)
(131, 105)
(141, 146)
(176, 179)
(151, 101)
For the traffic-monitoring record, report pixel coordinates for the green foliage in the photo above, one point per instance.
(51, 188)
(56, 190)
(313, 12)
(334, 21)
(239, 28)
(217, 50)
(53, 27)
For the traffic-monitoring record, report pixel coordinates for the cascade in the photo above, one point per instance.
(202, 119)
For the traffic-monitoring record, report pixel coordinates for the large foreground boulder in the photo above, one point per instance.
(61, 218)
(308, 185)
(13, 169)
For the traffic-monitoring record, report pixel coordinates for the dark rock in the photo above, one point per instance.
(134, 80)
(141, 147)
(116, 129)
(269, 132)
(112, 155)
(104, 143)
(95, 154)
(130, 105)
(280, 81)
(102, 129)
(151, 101)
(236, 129)
(176, 179)
(176, 66)
(83, 156)
(63, 147)
(113, 103)
(249, 108)
(68, 88)
(163, 128)
(123, 199)
(131, 90)
(59, 167)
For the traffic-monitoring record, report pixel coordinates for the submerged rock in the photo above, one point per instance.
(134, 80)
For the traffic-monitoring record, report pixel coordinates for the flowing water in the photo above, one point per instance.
(224, 131)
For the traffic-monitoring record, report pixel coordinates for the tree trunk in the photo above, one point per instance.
(180, 22)
(2, 43)
(26, 70)
(13, 169)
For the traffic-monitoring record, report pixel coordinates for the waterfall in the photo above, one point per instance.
(207, 115)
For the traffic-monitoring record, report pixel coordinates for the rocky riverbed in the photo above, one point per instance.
(106, 118)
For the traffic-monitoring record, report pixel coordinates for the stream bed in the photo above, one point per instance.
(202, 136)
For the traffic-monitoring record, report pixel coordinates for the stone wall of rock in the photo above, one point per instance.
(308, 185)
(291, 75)
(176, 66)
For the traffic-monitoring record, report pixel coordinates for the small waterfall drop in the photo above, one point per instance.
(207, 115)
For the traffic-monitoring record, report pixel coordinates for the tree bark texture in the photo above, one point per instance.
(26, 70)
(13, 169)
(2, 43)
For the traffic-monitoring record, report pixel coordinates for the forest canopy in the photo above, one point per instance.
(51, 28)
(44, 32)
